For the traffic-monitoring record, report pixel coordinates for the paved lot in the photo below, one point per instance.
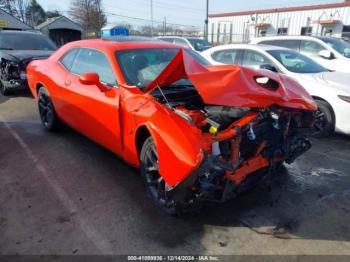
(63, 194)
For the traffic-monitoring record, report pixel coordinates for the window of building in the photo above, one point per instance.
(282, 31)
(306, 30)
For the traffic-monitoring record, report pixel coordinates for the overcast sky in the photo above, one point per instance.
(187, 12)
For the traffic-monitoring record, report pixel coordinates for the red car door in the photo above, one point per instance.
(88, 109)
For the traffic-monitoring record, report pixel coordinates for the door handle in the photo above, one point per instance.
(67, 82)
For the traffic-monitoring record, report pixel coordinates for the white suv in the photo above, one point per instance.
(332, 53)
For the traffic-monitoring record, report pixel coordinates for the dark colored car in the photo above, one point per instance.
(17, 49)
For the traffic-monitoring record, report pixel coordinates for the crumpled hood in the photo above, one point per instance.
(22, 55)
(231, 85)
(338, 80)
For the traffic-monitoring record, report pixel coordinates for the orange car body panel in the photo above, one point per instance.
(113, 118)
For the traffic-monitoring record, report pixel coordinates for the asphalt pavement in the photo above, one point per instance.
(60, 193)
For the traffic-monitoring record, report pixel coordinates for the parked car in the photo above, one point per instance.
(330, 90)
(197, 44)
(197, 132)
(17, 49)
(332, 53)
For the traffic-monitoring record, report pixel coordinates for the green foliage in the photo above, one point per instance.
(35, 14)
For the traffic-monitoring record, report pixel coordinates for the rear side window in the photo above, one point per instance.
(267, 42)
(88, 61)
(169, 40)
(225, 56)
(311, 47)
(182, 42)
(68, 58)
(253, 59)
(290, 44)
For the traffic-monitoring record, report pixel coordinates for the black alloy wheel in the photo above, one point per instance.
(154, 183)
(324, 120)
(47, 112)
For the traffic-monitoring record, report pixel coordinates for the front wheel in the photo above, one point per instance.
(324, 123)
(154, 183)
(47, 111)
(159, 192)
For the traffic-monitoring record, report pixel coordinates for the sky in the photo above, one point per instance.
(183, 12)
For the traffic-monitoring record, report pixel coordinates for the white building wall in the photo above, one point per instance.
(294, 20)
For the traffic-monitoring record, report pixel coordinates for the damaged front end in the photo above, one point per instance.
(250, 123)
(12, 74)
(238, 154)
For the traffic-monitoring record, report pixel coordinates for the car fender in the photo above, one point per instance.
(178, 143)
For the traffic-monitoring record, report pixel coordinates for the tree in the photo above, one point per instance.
(16, 8)
(21, 9)
(51, 14)
(88, 13)
(35, 14)
(8, 6)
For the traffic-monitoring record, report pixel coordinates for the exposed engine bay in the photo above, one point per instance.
(240, 142)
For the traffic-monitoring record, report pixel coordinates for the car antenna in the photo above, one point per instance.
(166, 100)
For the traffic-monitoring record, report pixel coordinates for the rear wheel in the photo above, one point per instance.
(157, 189)
(47, 111)
(324, 123)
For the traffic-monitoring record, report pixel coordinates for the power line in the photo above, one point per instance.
(149, 20)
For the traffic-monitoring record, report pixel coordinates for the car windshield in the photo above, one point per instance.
(25, 41)
(339, 45)
(199, 44)
(296, 62)
(141, 66)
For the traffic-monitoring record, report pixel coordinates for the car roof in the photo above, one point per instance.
(108, 44)
(292, 37)
(247, 46)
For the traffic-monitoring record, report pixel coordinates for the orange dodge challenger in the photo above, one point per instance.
(197, 132)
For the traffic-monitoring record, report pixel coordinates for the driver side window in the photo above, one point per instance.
(89, 60)
(254, 59)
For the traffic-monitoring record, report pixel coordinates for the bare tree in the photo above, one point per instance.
(88, 13)
(8, 6)
(21, 7)
(16, 8)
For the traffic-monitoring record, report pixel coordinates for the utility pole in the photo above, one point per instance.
(164, 26)
(152, 18)
(206, 22)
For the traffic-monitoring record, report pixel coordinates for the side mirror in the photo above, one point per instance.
(326, 54)
(269, 67)
(92, 79)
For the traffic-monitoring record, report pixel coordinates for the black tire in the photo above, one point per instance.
(324, 124)
(156, 188)
(47, 111)
(3, 90)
